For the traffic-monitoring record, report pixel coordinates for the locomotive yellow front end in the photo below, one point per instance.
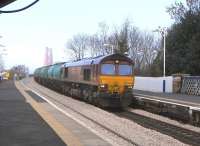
(116, 82)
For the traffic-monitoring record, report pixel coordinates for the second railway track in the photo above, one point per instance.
(183, 135)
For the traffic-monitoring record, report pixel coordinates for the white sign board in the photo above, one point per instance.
(154, 84)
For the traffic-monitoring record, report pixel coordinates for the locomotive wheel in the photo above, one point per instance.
(85, 95)
(90, 99)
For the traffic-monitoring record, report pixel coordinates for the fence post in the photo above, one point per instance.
(164, 85)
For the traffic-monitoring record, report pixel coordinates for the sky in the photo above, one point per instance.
(51, 23)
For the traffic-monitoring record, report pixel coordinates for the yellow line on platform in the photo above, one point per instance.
(66, 135)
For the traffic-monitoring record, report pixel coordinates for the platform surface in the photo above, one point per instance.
(20, 124)
(84, 134)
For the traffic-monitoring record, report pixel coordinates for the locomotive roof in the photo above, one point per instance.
(96, 60)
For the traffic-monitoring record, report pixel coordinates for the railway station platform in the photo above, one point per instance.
(183, 107)
(184, 99)
(28, 120)
(20, 124)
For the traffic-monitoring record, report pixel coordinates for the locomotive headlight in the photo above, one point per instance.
(103, 87)
(116, 61)
(129, 86)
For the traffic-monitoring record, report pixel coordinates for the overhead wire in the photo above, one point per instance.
(18, 10)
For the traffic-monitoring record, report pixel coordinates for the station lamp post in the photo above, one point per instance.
(163, 32)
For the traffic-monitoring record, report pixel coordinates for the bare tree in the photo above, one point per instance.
(135, 45)
(149, 49)
(95, 45)
(141, 47)
(103, 39)
(1, 63)
(122, 38)
(1, 57)
(100, 43)
(78, 45)
(20, 70)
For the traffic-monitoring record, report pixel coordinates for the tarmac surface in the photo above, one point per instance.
(20, 124)
(177, 98)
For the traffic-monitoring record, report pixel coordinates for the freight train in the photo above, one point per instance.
(105, 81)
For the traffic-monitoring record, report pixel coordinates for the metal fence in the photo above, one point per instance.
(191, 85)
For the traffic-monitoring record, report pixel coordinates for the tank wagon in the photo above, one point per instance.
(106, 81)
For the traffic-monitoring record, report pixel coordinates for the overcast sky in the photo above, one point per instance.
(48, 23)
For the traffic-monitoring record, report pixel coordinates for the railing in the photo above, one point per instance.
(191, 85)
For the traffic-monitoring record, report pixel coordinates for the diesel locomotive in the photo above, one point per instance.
(106, 81)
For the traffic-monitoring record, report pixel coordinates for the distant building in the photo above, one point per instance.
(48, 58)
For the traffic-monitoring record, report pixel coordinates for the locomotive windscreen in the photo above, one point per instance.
(117, 69)
(125, 69)
(108, 69)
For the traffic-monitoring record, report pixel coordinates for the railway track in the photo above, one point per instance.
(181, 134)
(90, 119)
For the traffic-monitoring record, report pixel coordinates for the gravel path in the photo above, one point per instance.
(136, 133)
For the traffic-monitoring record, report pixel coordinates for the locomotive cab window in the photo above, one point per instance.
(86, 74)
(125, 69)
(108, 69)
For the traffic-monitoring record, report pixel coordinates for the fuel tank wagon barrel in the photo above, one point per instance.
(106, 81)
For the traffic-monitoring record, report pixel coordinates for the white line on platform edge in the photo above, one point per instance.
(164, 101)
(70, 116)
